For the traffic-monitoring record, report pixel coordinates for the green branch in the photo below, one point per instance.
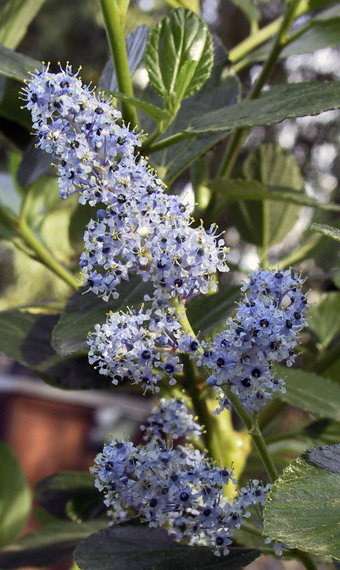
(191, 384)
(114, 20)
(249, 422)
(293, 9)
(42, 254)
(253, 429)
(165, 143)
(261, 36)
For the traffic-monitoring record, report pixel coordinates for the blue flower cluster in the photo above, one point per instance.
(263, 331)
(139, 347)
(139, 228)
(171, 419)
(81, 130)
(178, 489)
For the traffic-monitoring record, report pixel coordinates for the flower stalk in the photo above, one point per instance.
(114, 20)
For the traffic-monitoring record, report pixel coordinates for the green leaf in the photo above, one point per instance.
(47, 545)
(143, 548)
(326, 230)
(331, 369)
(248, 8)
(16, 65)
(264, 222)
(318, 4)
(15, 503)
(135, 47)
(16, 15)
(323, 431)
(9, 196)
(41, 198)
(310, 392)
(257, 215)
(328, 14)
(84, 311)
(309, 247)
(152, 110)
(237, 189)
(61, 491)
(34, 163)
(207, 312)
(11, 110)
(275, 105)
(303, 509)
(25, 336)
(179, 56)
(182, 155)
(190, 4)
(80, 217)
(327, 457)
(324, 32)
(324, 318)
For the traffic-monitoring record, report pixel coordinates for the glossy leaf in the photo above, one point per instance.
(323, 431)
(47, 545)
(332, 370)
(180, 157)
(190, 4)
(15, 503)
(152, 110)
(248, 8)
(34, 163)
(327, 457)
(16, 65)
(10, 197)
(25, 336)
(83, 312)
(219, 88)
(179, 56)
(324, 31)
(310, 392)
(41, 198)
(326, 230)
(79, 219)
(12, 111)
(142, 548)
(135, 47)
(208, 312)
(303, 509)
(236, 189)
(16, 15)
(264, 222)
(58, 492)
(275, 105)
(324, 317)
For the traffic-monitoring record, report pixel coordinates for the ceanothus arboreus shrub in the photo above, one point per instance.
(138, 228)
